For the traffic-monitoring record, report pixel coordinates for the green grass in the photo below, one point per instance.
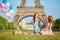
(7, 35)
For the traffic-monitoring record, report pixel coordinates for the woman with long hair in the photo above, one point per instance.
(36, 23)
(47, 30)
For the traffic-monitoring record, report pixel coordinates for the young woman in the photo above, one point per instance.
(48, 30)
(36, 23)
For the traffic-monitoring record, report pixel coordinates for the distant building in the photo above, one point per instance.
(27, 26)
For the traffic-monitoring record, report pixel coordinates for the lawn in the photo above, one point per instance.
(7, 35)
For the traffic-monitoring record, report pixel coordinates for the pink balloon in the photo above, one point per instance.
(4, 10)
(8, 15)
(2, 5)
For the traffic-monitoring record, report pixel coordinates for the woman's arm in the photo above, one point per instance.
(43, 19)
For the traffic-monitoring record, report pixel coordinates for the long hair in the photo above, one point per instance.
(49, 19)
(34, 17)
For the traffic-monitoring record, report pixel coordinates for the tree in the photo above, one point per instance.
(57, 24)
(10, 25)
(3, 23)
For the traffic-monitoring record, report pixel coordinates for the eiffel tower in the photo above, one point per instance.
(23, 11)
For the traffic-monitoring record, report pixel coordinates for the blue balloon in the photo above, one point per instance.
(4, 1)
(10, 7)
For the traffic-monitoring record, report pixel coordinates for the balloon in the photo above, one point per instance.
(10, 7)
(8, 15)
(4, 10)
(11, 11)
(2, 5)
(7, 4)
(4, 1)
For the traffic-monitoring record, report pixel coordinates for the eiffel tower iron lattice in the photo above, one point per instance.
(23, 11)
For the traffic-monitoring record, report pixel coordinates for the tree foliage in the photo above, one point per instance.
(57, 24)
(3, 23)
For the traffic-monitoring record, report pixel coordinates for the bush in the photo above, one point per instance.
(43, 26)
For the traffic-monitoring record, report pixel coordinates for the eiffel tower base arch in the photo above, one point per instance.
(23, 12)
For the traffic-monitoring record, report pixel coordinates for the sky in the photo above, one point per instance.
(51, 7)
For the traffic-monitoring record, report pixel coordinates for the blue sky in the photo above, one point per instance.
(51, 7)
